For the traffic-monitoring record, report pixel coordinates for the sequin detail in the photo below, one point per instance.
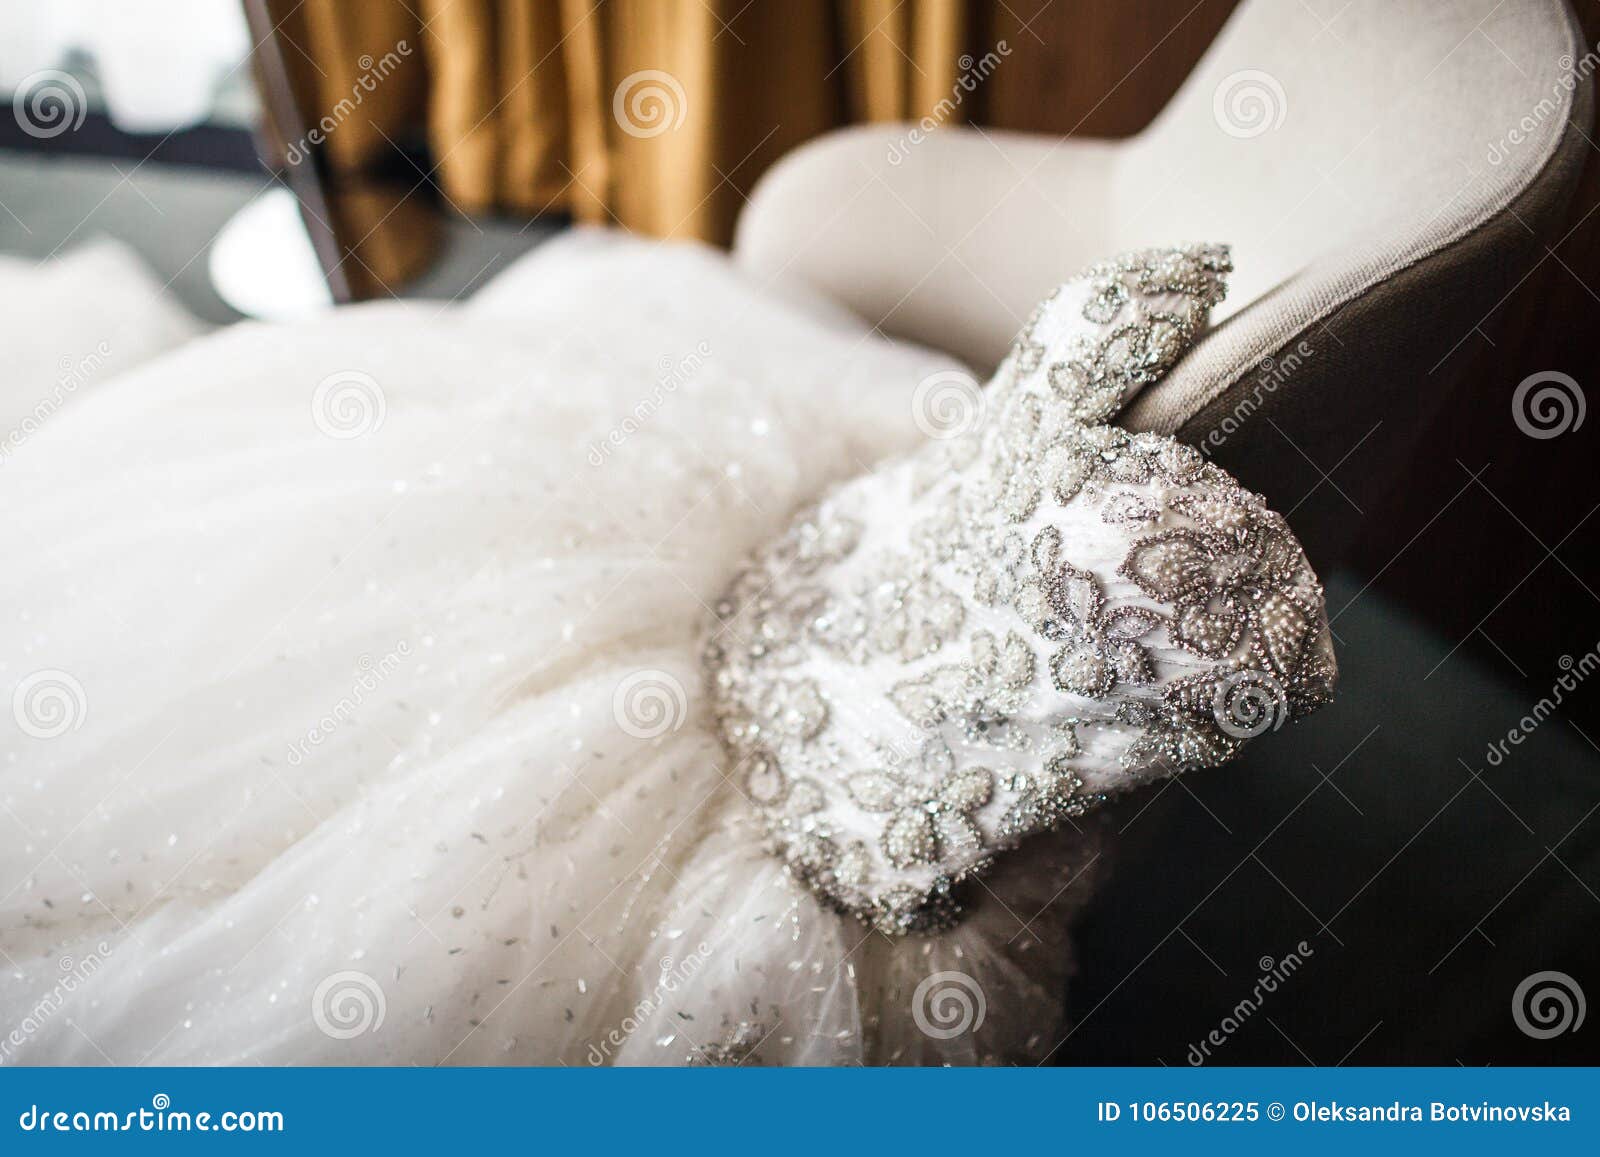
(937, 660)
(1149, 307)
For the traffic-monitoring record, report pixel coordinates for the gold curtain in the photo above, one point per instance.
(655, 115)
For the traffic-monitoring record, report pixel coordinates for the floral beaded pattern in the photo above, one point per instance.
(980, 641)
(1142, 310)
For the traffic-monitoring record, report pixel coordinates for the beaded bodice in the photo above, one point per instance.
(982, 640)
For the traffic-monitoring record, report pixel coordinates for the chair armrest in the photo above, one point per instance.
(948, 238)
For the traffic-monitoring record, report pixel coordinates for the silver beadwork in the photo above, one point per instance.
(905, 674)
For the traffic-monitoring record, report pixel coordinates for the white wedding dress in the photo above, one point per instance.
(357, 684)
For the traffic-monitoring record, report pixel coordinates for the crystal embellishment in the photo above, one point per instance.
(980, 641)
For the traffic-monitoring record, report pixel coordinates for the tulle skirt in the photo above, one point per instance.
(357, 703)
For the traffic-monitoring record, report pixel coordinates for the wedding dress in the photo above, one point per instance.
(460, 686)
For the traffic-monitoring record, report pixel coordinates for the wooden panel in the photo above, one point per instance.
(1099, 68)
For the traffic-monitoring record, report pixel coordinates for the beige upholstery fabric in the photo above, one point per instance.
(1383, 171)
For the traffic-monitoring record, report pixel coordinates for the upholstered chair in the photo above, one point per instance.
(1385, 170)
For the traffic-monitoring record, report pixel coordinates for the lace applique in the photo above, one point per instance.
(1143, 309)
(927, 818)
(1046, 799)
(983, 693)
(905, 613)
(1125, 508)
(1100, 647)
(976, 644)
(1233, 577)
(738, 1047)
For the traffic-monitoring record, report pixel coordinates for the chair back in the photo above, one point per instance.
(1386, 173)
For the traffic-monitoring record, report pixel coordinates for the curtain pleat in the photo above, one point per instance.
(585, 185)
(655, 115)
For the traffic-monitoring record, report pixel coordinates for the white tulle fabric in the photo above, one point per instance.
(355, 698)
